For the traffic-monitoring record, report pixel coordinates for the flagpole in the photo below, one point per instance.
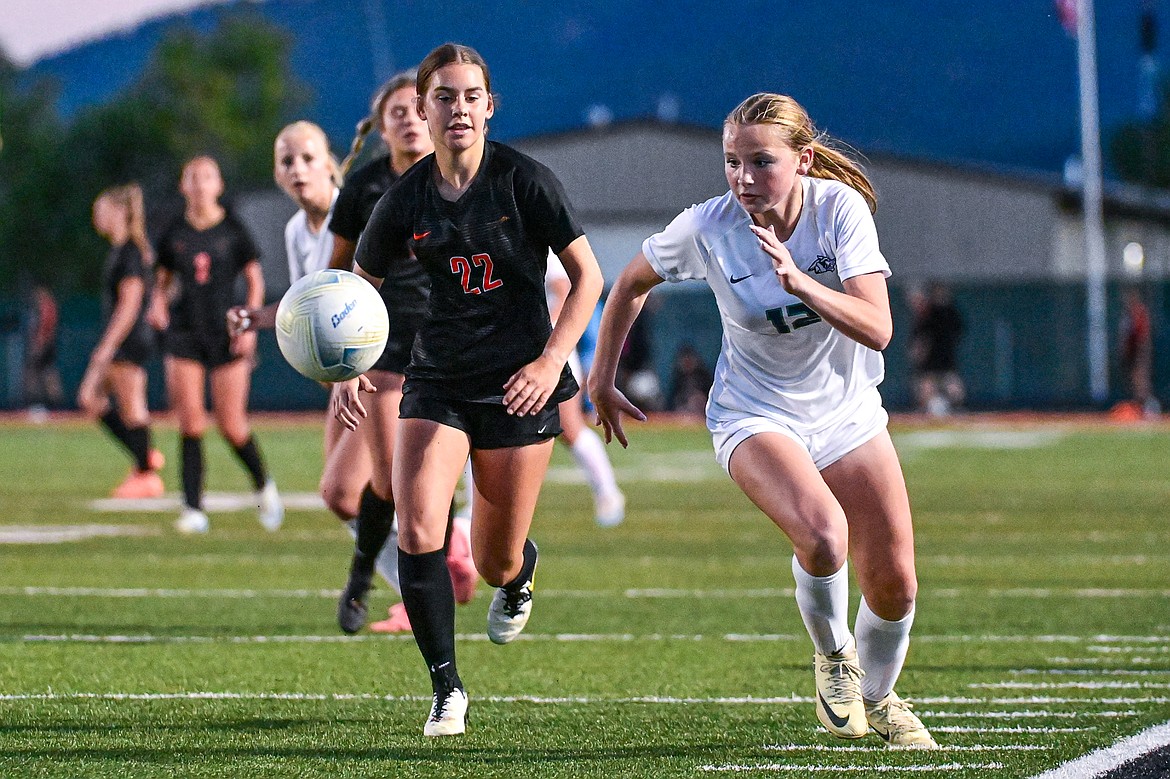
(1094, 221)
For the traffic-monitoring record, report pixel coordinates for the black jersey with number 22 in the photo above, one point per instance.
(486, 255)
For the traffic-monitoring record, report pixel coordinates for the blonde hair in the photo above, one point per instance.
(129, 197)
(373, 120)
(785, 113)
(304, 127)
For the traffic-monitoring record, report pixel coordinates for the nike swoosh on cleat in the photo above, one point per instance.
(738, 279)
(836, 720)
(420, 236)
(885, 735)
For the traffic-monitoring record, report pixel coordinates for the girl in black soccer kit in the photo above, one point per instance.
(200, 255)
(487, 368)
(405, 290)
(127, 342)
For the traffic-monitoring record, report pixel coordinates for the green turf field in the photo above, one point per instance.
(669, 646)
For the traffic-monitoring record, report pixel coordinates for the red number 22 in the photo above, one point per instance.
(461, 266)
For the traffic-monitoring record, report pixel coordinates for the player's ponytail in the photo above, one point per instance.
(374, 119)
(829, 162)
(129, 197)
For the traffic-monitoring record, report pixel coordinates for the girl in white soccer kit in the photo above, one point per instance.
(791, 254)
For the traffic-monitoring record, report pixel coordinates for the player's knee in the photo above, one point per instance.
(343, 503)
(894, 600)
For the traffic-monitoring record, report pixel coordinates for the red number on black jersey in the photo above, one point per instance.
(202, 263)
(461, 266)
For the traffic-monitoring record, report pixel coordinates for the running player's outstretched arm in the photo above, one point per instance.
(622, 307)
(347, 406)
(529, 389)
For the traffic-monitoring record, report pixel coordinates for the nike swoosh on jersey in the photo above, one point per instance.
(738, 279)
(420, 236)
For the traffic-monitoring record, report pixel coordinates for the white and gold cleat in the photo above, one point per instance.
(839, 705)
(892, 719)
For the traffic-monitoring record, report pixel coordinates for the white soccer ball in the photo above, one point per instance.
(332, 325)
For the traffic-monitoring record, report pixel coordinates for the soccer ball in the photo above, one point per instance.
(331, 325)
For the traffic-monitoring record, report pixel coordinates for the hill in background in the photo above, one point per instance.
(991, 83)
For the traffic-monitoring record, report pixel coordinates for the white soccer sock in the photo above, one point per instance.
(881, 650)
(824, 606)
(387, 563)
(591, 457)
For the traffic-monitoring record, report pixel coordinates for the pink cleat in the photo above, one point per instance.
(140, 484)
(464, 577)
(397, 622)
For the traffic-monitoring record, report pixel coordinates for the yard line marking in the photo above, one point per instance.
(979, 439)
(1020, 729)
(1128, 649)
(632, 593)
(749, 700)
(1071, 685)
(1102, 760)
(1131, 660)
(1027, 714)
(559, 637)
(775, 767)
(1091, 671)
(143, 592)
(1049, 592)
(941, 748)
(60, 534)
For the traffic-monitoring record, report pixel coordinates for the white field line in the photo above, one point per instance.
(885, 749)
(834, 769)
(1124, 649)
(1090, 671)
(978, 439)
(542, 700)
(534, 637)
(1102, 760)
(1071, 686)
(1106, 661)
(632, 593)
(1026, 714)
(1020, 729)
(60, 534)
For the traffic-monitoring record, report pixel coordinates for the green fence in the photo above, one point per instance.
(1024, 347)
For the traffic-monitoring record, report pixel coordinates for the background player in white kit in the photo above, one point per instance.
(792, 256)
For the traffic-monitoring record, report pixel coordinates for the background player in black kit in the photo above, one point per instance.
(394, 113)
(487, 369)
(200, 255)
(116, 366)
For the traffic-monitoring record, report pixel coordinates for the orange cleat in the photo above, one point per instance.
(397, 622)
(140, 484)
(464, 576)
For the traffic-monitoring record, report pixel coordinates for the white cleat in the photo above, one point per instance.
(192, 522)
(271, 507)
(509, 610)
(448, 713)
(610, 509)
(892, 719)
(839, 705)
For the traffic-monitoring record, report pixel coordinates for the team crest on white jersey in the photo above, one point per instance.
(824, 264)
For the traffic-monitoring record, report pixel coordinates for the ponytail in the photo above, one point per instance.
(374, 119)
(828, 161)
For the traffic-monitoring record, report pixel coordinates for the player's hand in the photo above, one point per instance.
(610, 404)
(243, 344)
(347, 406)
(791, 277)
(157, 315)
(239, 320)
(89, 400)
(529, 389)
